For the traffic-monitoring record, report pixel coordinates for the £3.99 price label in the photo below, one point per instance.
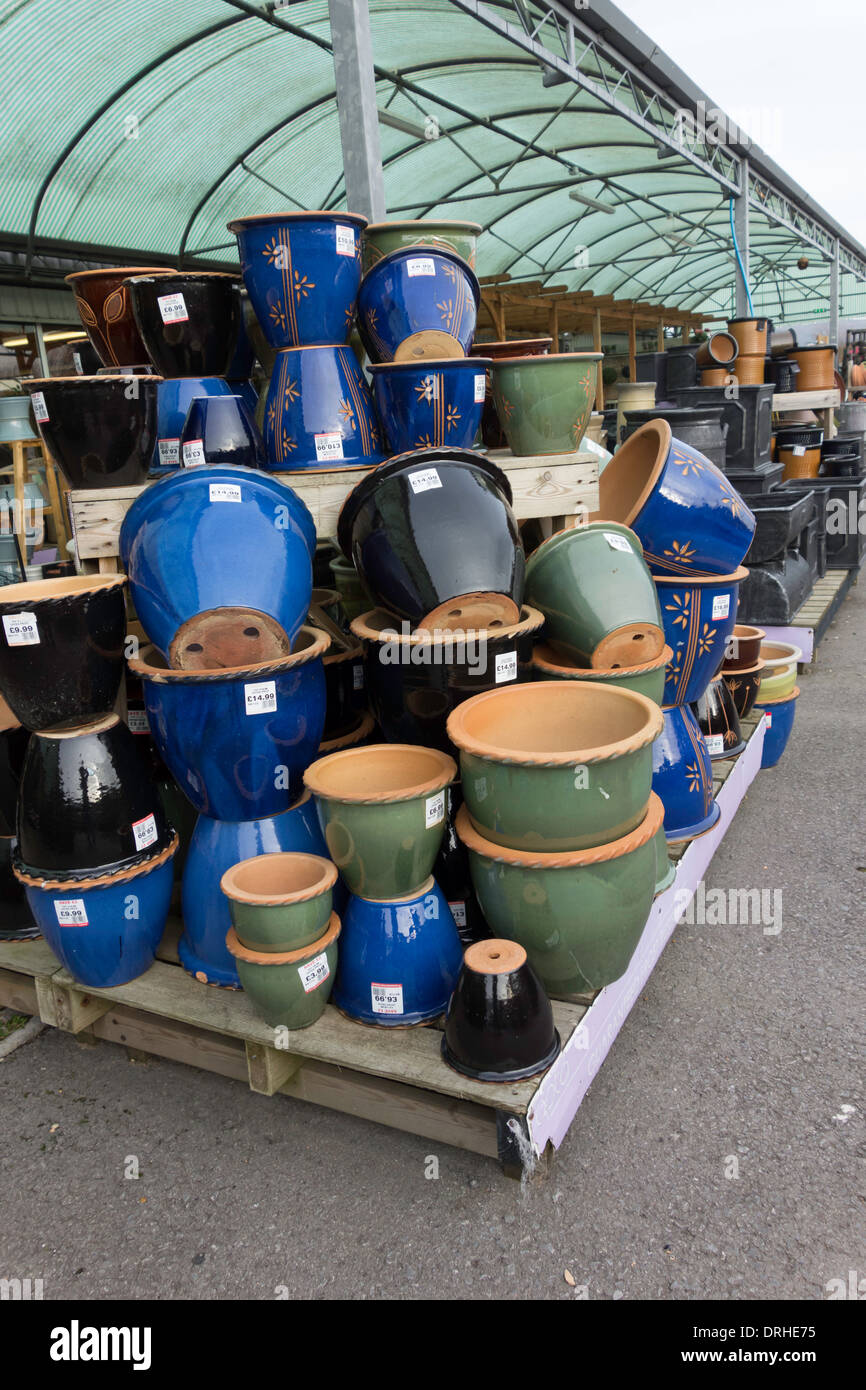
(71, 912)
(145, 832)
(721, 607)
(193, 454)
(173, 308)
(420, 265)
(387, 999)
(329, 447)
(40, 409)
(480, 389)
(22, 630)
(314, 972)
(345, 241)
(261, 698)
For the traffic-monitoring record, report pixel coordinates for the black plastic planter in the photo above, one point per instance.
(749, 419)
(702, 428)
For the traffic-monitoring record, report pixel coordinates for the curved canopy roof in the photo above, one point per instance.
(144, 129)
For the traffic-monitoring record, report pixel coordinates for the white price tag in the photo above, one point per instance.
(193, 454)
(76, 360)
(358, 677)
(616, 542)
(145, 832)
(425, 480)
(798, 450)
(769, 719)
(169, 453)
(420, 265)
(21, 630)
(329, 447)
(458, 912)
(345, 241)
(505, 667)
(314, 973)
(40, 409)
(480, 389)
(225, 492)
(136, 718)
(261, 698)
(715, 744)
(173, 308)
(387, 999)
(71, 912)
(435, 809)
(721, 607)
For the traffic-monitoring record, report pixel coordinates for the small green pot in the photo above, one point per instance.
(280, 902)
(556, 765)
(578, 916)
(291, 988)
(549, 665)
(382, 809)
(597, 595)
(544, 403)
(666, 872)
(381, 238)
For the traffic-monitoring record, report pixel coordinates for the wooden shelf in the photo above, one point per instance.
(805, 400)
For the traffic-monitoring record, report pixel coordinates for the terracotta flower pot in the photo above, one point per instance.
(779, 715)
(719, 723)
(556, 765)
(683, 776)
(719, 350)
(105, 308)
(578, 915)
(382, 811)
(290, 988)
(649, 679)
(499, 1025)
(379, 239)
(544, 402)
(101, 430)
(799, 462)
(780, 670)
(699, 616)
(280, 902)
(743, 648)
(817, 364)
(744, 687)
(750, 335)
(597, 595)
(188, 320)
(717, 376)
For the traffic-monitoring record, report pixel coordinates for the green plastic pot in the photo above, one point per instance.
(579, 916)
(290, 988)
(544, 403)
(649, 679)
(382, 809)
(556, 765)
(280, 902)
(597, 595)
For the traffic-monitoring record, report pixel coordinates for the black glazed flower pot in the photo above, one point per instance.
(16, 919)
(743, 687)
(13, 746)
(499, 1024)
(101, 430)
(435, 540)
(189, 321)
(61, 647)
(454, 876)
(344, 685)
(717, 715)
(88, 803)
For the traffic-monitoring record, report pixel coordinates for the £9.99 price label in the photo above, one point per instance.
(193, 454)
(169, 453)
(71, 912)
(261, 698)
(387, 999)
(21, 629)
(329, 447)
(40, 409)
(173, 308)
(145, 832)
(505, 667)
(721, 607)
(425, 480)
(420, 265)
(224, 492)
(314, 972)
(345, 241)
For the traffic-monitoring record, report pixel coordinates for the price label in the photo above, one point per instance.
(136, 718)
(261, 698)
(314, 973)
(458, 912)
(721, 607)
(40, 409)
(225, 492)
(145, 832)
(715, 744)
(169, 453)
(193, 454)
(616, 542)
(76, 360)
(420, 265)
(345, 241)
(769, 719)
(329, 447)
(71, 912)
(21, 630)
(358, 677)
(480, 389)
(425, 480)
(435, 809)
(798, 450)
(173, 308)
(505, 667)
(387, 999)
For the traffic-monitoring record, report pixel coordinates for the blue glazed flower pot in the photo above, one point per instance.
(780, 722)
(173, 400)
(302, 271)
(683, 776)
(699, 616)
(690, 518)
(399, 960)
(238, 742)
(210, 539)
(220, 431)
(216, 847)
(105, 931)
(418, 303)
(422, 404)
(319, 412)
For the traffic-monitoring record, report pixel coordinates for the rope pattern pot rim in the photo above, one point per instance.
(125, 271)
(362, 730)
(52, 591)
(327, 878)
(444, 777)
(343, 654)
(745, 671)
(119, 375)
(164, 675)
(302, 953)
(643, 834)
(543, 662)
(438, 637)
(79, 885)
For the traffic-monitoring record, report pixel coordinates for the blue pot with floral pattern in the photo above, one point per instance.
(418, 303)
(431, 403)
(302, 271)
(779, 715)
(699, 615)
(319, 412)
(683, 776)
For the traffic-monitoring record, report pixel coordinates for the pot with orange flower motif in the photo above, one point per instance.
(319, 412)
(544, 403)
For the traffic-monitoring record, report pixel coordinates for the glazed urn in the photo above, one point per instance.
(174, 399)
(289, 989)
(319, 412)
(105, 308)
(499, 1025)
(100, 430)
(188, 320)
(683, 776)
(544, 402)
(699, 616)
(778, 723)
(429, 404)
(416, 303)
(220, 431)
(381, 238)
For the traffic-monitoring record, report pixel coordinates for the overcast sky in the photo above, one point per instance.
(792, 70)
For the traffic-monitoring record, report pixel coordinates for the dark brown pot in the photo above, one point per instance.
(105, 309)
(744, 648)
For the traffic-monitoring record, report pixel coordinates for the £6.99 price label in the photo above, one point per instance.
(22, 630)
(261, 698)
(505, 667)
(721, 607)
(193, 454)
(387, 999)
(145, 832)
(420, 265)
(435, 809)
(314, 972)
(172, 308)
(71, 912)
(425, 480)
(40, 409)
(329, 447)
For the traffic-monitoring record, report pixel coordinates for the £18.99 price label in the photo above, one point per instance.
(721, 607)
(345, 241)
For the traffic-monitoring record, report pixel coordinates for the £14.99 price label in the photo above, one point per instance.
(71, 912)
(261, 698)
(22, 630)
(425, 480)
(420, 265)
(505, 667)
(224, 492)
(314, 972)
(387, 999)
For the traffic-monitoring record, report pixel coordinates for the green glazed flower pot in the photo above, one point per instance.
(290, 988)
(666, 872)
(382, 809)
(579, 916)
(381, 238)
(544, 403)
(597, 595)
(355, 598)
(556, 765)
(649, 679)
(280, 902)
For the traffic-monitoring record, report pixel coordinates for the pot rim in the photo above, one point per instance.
(780, 700)
(298, 215)
(814, 347)
(420, 892)
(446, 774)
(745, 631)
(506, 342)
(688, 581)
(748, 320)
(326, 879)
(542, 357)
(642, 834)
(106, 377)
(187, 275)
(428, 363)
(776, 663)
(365, 726)
(543, 662)
(632, 743)
(159, 675)
(124, 271)
(340, 654)
(743, 671)
(425, 222)
(302, 953)
(530, 621)
(415, 251)
(663, 434)
(560, 539)
(42, 591)
(80, 885)
(75, 728)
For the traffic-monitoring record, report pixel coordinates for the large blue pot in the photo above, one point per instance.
(699, 616)
(422, 404)
(778, 730)
(690, 518)
(319, 412)
(418, 303)
(221, 431)
(173, 400)
(302, 271)
(219, 538)
(239, 742)
(683, 776)
(105, 931)
(216, 847)
(399, 960)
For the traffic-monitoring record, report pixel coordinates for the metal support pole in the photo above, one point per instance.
(741, 227)
(834, 295)
(355, 84)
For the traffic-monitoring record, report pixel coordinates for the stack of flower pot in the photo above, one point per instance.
(695, 530)
(94, 848)
(777, 696)
(16, 919)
